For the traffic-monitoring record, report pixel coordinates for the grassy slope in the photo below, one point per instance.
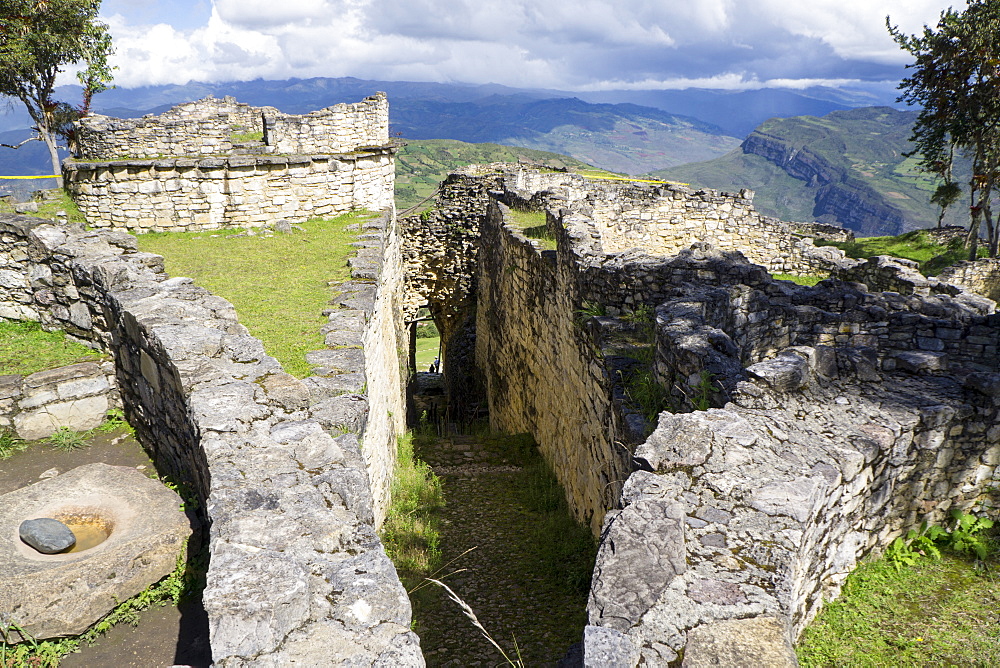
(777, 194)
(423, 163)
(620, 137)
(279, 285)
(865, 144)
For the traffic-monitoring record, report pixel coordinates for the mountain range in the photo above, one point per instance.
(811, 154)
(847, 167)
(626, 131)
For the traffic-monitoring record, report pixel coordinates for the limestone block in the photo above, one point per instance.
(740, 643)
(605, 647)
(78, 414)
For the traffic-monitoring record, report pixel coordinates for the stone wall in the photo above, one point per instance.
(77, 396)
(187, 194)
(981, 277)
(663, 220)
(759, 511)
(440, 259)
(296, 570)
(206, 127)
(542, 372)
(337, 129)
(843, 415)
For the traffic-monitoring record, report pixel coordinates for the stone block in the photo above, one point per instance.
(72, 591)
(740, 643)
(78, 414)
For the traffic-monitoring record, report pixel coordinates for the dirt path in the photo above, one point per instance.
(499, 579)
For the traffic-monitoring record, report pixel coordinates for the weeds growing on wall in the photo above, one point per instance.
(26, 348)
(411, 529)
(279, 284)
(533, 226)
(923, 612)
(240, 137)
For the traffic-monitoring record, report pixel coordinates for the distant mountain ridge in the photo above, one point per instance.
(627, 131)
(846, 168)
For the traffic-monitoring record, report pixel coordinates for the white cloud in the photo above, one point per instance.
(588, 44)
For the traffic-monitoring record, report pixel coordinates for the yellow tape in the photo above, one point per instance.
(625, 178)
(44, 176)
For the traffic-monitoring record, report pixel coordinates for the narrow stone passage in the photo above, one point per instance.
(527, 576)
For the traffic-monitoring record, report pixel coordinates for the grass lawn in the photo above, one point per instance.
(800, 280)
(532, 225)
(427, 351)
(25, 348)
(278, 284)
(916, 245)
(934, 613)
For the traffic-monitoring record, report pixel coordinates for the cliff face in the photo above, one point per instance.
(839, 199)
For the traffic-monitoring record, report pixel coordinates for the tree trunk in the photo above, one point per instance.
(972, 240)
(50, 142)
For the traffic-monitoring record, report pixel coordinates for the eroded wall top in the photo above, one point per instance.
(214, 127)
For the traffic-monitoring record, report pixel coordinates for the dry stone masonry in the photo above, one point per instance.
(831, 418)
(186, 169)
(296, 570)
(838, 415)
(77, 396)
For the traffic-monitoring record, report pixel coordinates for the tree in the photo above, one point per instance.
(37, 39)
(956, 81)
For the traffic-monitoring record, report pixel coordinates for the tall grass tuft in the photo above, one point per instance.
(411, 529)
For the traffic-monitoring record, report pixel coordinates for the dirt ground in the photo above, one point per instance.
(166, 635)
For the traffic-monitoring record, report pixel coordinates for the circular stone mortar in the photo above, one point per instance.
(51, 595)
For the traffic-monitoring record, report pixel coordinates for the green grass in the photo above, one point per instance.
(238, 137)
(427, 352)
(533, 225)
(933, 613)
(25, 348)
(558, 547)
(411, 529)
(858, 146)
(49, 202)
(279, 284)
(918, 246)
(68, 439)
(10, 444)
(799, 280)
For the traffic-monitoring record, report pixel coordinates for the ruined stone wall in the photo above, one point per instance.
(203, 127)
(76, 396)
(206, 127)
(542, 372)
(663, 220)
(337, 129)
(186, 194)
(981, 277)
(296, 570)
(842, 417)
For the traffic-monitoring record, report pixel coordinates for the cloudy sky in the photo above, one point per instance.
(564, 44)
